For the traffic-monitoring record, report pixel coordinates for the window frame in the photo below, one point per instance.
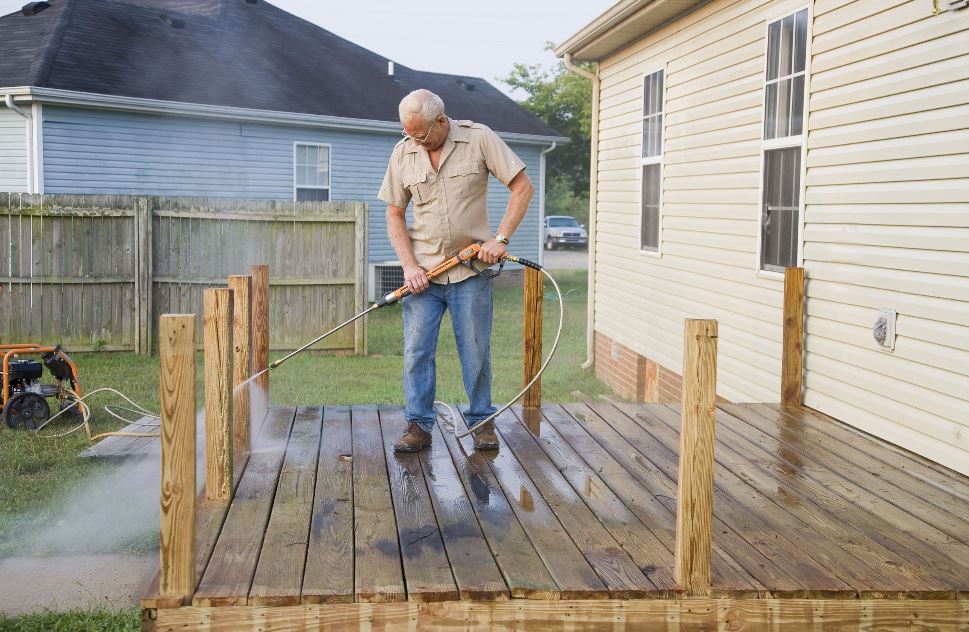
(329, 171)
(785, 142)
(652, 160)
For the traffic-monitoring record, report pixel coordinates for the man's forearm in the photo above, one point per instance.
(521, 195)
(399, 238)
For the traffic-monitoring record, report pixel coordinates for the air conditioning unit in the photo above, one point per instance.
(385, 277)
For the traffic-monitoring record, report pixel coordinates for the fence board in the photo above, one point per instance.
(97, 271)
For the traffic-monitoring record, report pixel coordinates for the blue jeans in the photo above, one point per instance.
(470, 303)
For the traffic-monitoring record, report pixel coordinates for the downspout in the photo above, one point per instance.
(541, 202)
(590, 330)
(8, 99)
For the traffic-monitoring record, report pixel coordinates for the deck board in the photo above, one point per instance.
(578, 503)
(791, 534)
(377, 576)
(328, 576)
(228, 576)
(568, 566)
(475, 569)
(590, 476)
(279, 573)
(912, 539)
(519, 562)
(745, 534)
(426, 569)
(620, 574)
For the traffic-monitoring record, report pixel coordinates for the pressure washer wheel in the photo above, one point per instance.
(26, 410)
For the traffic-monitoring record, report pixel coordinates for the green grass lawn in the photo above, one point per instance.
(37, 472)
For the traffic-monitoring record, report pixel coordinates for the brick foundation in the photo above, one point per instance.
(634, 376)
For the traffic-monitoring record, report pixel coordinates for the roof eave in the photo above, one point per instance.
(154, 106)
(623, 23)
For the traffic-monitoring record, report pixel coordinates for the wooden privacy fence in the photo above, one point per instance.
(96, 272)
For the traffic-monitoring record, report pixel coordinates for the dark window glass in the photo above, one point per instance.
(650, 214)
(653, 114)
(312, 195)
(780, 218)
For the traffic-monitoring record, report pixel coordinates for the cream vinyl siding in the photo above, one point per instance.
(887, 211)
(712, 152)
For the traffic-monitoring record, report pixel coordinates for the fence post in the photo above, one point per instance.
(260, 337)
(177, 349)
(532, 333)
(143, 274)
(241, 286)
(694, 502)
(792, 355)
(360, 289)
(217, 342)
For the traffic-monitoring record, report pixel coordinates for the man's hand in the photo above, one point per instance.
(492, 252)
(415, 278)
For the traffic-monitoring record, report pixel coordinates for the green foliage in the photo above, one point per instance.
(560, 199)
(564, 101)
(74, 621)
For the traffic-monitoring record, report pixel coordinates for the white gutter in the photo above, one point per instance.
(541, 202)
(155, 106)
(590, 326)
(30, 138)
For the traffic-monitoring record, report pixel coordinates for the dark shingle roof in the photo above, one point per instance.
(229, 53)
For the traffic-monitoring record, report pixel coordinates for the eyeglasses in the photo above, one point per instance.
(422, 139)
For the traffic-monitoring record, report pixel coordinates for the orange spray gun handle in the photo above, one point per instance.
(468, 253)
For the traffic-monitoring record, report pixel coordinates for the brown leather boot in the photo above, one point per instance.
(486, 439)
(414, 439)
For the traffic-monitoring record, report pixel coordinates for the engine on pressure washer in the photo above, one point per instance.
(25, 377)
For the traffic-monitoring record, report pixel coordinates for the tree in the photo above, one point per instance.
(564, 101)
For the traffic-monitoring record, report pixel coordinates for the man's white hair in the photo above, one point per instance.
(423, 103)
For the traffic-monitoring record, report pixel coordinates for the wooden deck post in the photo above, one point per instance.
(217, 341)
(177, 350)
(241, 286)
(694, 503)
(792, 358)
(532, 333)
(260, 337)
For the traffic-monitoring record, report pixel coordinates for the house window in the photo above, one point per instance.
(651, 160)
(783, 141)
(312, 173)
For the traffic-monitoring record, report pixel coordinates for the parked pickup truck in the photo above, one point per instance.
(562, 230)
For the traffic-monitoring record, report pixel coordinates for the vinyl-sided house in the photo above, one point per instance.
(221, 98)
(734, 138)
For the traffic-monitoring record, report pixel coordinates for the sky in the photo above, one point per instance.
(476, 38)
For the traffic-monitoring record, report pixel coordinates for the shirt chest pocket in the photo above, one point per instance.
(464, 179)
(421, 187)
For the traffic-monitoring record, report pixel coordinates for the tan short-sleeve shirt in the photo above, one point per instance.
(450, 204)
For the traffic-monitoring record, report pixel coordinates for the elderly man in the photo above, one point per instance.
(442, 165)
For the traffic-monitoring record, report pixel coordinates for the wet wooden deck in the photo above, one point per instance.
(578, 504)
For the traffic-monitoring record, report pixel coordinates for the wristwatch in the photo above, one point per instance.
(501, 239)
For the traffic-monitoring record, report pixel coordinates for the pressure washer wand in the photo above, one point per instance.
(466, 254)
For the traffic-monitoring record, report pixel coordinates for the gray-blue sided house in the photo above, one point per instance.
(223, 98)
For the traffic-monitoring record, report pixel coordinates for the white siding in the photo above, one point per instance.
(887, 223)
(886, 210)
(13, 152)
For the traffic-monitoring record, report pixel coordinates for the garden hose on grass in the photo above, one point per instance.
(85, 411)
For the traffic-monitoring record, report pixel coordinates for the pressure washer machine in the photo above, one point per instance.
(24, 396)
